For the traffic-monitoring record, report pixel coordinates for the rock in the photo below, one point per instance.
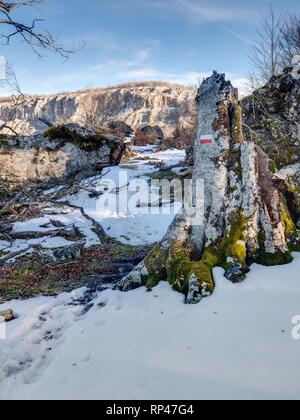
(137, 105)
(237, 272)
(288, 178)
(7, 315)
(121, 127)
(288, 181)
(62, 154)
(153, 134)
(194, 294)
(271, 117)
(134, 279)
(63, 254)
(57, 223)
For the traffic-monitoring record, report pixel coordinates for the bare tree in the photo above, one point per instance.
(27, 32)
(92, 117)
(265, 58)
(17, 99)
(290, 39)
(38, 40)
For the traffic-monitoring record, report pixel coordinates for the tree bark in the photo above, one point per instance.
(247, 218)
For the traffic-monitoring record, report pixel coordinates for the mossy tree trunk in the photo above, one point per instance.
(247, 217)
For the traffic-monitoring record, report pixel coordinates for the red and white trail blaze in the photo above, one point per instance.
(206, 140)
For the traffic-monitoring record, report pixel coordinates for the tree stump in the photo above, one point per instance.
(247, 217)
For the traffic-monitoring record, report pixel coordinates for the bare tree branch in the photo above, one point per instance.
(265, 56)
(290, 39)
(28, 33)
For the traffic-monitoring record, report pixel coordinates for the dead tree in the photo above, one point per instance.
(247, 218)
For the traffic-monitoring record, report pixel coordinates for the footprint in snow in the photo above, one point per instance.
(100, 323)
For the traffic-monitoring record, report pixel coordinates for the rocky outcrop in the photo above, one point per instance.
(246, 216)
(60, 154)
(287, 180)
(271, 117)
(138, 105)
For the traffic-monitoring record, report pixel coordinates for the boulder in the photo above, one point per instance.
(62, 153)
(121, 127)
(7, 315)
(155, 134)
(63, 253)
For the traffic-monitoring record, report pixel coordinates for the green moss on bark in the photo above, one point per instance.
(155, 263)
(278, 258)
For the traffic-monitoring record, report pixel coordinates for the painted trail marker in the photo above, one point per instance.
(207, 139)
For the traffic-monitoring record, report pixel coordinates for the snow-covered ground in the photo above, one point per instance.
(140, 228)
(119, 222)
(236, 344)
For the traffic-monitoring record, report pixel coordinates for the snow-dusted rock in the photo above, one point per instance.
(37, 158)
(64, 253)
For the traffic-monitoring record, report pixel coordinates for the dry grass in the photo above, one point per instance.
(129, 85)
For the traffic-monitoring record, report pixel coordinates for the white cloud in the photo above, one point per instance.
(146, 73)
(242, 84)
(186, 78)
(190, 78)
(214, 12)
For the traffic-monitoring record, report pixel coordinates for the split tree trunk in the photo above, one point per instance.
(247, 218)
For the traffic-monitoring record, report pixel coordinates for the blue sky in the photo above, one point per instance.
(130, 40)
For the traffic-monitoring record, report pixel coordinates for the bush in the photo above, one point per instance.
(142, 139)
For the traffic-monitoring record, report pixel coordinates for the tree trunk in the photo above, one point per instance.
(247, 218)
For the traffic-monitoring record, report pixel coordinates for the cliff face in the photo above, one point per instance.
(152, 104)
(272, 117)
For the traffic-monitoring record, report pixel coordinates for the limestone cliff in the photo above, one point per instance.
(147, 104)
